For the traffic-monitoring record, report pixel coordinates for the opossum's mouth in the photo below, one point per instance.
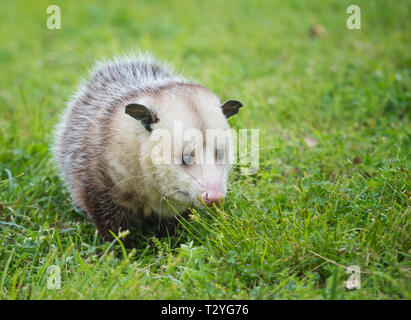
(183, 193)
(181, 196)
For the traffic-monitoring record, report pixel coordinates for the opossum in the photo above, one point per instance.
(103, 143)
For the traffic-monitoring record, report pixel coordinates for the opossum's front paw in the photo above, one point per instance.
(168, 228)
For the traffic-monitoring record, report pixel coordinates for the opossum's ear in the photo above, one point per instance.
(230, 107)
(142, 113)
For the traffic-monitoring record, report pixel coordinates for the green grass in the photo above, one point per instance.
(288, 232)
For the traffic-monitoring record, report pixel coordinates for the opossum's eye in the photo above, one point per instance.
(230, 107)
(220, 154)
(187, 159)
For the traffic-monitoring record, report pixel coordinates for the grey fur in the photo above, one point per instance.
(80, 136)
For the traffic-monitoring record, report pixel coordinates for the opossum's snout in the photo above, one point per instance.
(212, 197)
(214, 185)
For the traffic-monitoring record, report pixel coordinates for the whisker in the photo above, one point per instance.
(193, 178)
(127, 179)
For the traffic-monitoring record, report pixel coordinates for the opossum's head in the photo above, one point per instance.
(188, 148)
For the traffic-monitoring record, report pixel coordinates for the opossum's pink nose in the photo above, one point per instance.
(212, 197)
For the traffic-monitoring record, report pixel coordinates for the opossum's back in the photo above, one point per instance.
(111, 83)
(121, 77)
(81, 135)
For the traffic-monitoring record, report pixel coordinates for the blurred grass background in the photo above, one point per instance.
(334, 117)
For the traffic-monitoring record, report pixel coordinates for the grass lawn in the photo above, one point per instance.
(333, 188)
